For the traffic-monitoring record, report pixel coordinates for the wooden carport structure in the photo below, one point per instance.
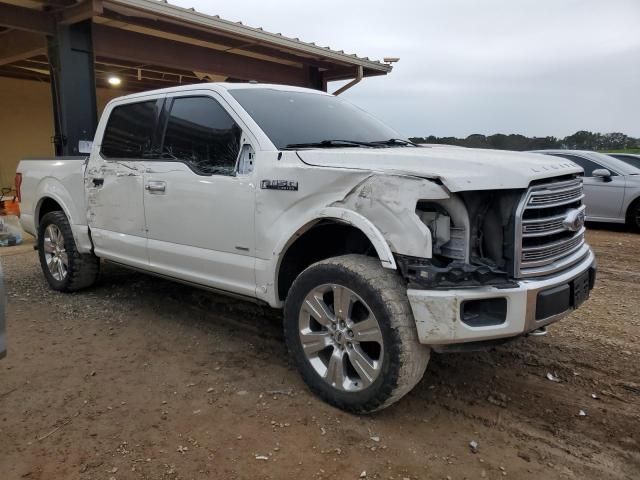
(75, 46)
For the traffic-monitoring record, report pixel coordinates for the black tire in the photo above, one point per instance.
(83, 268)
(633, 216)
(382, 290)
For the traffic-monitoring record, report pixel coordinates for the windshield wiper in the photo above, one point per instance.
(395, 141)
(332, 143)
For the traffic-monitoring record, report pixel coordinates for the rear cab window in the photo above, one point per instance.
(130, 130)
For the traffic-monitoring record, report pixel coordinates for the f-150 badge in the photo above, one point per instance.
(279, 185)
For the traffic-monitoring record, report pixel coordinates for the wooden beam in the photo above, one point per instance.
(79, 12)
(54, 3)
(231, 43)
(21, 73)
(149, 50)
(339, 74)
(18, 45)
(21, 18)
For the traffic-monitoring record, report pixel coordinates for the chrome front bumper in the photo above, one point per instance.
(438, 315)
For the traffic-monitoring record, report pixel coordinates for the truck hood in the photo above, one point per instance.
(458, 168)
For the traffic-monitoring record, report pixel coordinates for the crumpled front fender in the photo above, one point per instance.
(389, 203)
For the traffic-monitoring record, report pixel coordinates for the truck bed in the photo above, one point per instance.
(60, 179)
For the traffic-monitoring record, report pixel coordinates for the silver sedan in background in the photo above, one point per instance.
(611, 186)
(630, 158)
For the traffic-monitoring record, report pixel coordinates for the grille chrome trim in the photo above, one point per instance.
(555, 195)
(540, 227)
(542, 254)
(560, 264)
(540, 258)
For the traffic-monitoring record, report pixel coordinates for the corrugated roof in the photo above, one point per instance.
(190, 15)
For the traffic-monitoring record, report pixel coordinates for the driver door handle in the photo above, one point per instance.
(155, 186)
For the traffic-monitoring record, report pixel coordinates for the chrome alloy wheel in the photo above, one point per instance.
(54, 252)
(341, 337)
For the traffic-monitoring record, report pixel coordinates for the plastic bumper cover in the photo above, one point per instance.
(534, 303)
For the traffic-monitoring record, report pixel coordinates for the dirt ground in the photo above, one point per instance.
(139, 378)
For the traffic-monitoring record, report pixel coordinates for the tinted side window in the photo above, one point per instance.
(629, 159)
(587, 165)
(201, 133)
(130, 129)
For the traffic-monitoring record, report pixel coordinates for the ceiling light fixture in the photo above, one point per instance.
(114, 81)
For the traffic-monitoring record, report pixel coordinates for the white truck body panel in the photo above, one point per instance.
(459, 169)
(231, 233)
(61, 179)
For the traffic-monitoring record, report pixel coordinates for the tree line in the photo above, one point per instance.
(581, 140)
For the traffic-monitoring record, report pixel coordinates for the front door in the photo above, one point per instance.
(602, 197)
(199, 208)
(114, 182)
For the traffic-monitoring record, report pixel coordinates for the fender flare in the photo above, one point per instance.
(52, 188)
(383, 250)
(342, 215)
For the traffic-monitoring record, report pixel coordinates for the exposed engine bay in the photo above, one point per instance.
(473, 241)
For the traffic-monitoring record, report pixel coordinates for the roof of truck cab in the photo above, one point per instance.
(217, 86)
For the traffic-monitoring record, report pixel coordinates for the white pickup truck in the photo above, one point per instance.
(379, 250)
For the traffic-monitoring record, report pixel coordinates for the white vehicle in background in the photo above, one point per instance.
(611, 186)
(378, 250)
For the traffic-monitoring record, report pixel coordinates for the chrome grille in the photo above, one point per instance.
(552, 250)
(552, 198)
(544, 244)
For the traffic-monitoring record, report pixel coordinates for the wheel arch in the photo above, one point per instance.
(46, 205)
(51, 189)
(52, 196)
(358, 233)
(630, 207)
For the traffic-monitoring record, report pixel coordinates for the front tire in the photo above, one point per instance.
(65, 269)
(351, 332)
(633, 216)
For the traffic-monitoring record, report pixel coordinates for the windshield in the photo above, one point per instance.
(293, 119)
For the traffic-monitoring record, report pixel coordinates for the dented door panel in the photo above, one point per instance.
(115, 210)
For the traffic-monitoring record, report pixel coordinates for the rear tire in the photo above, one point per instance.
(365, 356)
(65, 269)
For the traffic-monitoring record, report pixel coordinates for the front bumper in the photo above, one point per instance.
(532, 304)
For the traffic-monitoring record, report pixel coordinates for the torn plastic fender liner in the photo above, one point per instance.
(389, 203)
(369, 229)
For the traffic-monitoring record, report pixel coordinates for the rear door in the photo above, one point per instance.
(114, 181)
(603, 198)
(199, 205)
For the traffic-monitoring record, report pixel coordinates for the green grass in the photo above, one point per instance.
(622, 150)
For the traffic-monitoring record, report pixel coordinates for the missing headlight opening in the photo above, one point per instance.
(473, 241)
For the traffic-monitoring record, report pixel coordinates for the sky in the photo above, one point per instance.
(533, 67)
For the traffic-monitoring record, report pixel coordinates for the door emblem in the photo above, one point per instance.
(574, 220)
(279, 185)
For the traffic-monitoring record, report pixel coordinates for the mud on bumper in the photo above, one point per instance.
(483, 314)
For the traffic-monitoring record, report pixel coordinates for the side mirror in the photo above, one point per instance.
(602, 173)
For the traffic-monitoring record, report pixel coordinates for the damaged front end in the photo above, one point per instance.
(472, 238)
